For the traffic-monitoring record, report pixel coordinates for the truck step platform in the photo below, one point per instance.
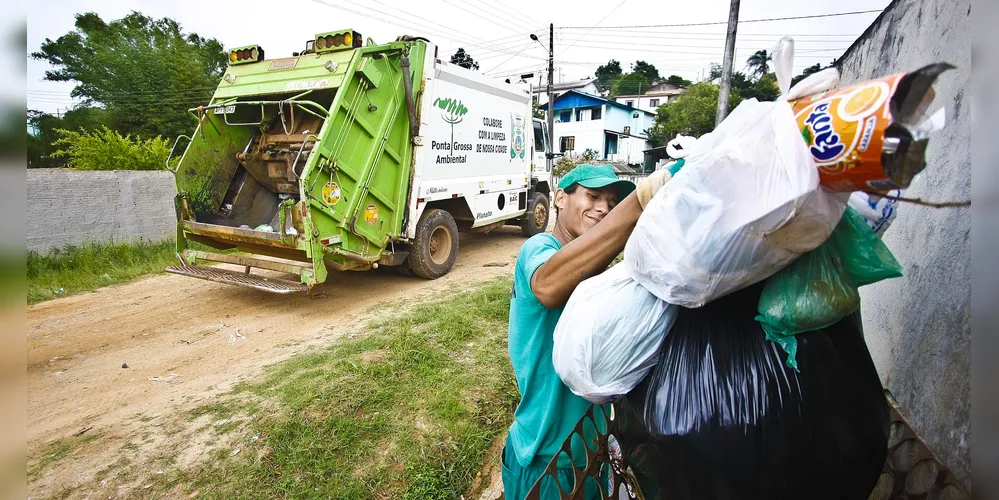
(273, 285)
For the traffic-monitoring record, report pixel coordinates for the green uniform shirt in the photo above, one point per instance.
(548, 410)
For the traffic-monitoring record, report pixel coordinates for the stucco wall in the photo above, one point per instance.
(919, 327)
(68, 207)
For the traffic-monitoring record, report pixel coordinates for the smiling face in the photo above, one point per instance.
(582, 208)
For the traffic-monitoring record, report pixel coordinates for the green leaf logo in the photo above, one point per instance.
(454, 110)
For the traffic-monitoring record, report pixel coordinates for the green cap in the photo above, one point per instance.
(596, 177)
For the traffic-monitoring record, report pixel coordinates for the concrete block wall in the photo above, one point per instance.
(68, 207)
(918, 327)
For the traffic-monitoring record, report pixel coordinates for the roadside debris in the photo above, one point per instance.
(169, 378)
(236, 337)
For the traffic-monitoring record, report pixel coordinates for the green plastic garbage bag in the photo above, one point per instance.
(820, 287)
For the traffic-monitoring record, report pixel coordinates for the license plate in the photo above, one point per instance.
(226, 110)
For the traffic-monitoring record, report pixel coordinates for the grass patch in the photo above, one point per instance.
(406, 410)
(58, 450)
(77, 269)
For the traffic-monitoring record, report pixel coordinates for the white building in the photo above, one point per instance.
(653, 98)
(612, 129)
(588, 86)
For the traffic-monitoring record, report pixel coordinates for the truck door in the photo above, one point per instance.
(541, 164)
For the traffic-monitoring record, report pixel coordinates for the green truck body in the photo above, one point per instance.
(320, 162)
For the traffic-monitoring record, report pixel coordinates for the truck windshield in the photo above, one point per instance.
(539, 137)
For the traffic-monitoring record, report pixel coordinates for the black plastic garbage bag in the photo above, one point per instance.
(722, 417)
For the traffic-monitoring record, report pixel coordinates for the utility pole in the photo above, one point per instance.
(726, 76)
(551, 97)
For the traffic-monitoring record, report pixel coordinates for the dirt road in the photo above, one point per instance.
(185, 341)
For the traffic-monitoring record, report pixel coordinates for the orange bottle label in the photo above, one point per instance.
(844, 129)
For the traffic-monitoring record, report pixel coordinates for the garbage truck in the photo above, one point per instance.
(351, 156)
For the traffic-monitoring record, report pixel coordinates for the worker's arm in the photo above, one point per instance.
(586, 256)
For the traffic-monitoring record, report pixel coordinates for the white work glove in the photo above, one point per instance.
(650, 185)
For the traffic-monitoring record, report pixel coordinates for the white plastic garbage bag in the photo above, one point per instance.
(746, 203)
(814, 83)
(608, 335)
(878, 211)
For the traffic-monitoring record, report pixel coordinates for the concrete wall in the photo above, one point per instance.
(588, 134)
(630, 150)
(645, 102)
(67, 207)
(919, 327)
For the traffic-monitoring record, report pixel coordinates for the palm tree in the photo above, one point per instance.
(758, 63)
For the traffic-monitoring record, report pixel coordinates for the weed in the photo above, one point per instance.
(77, 269)
(58, 450)
(406, 409)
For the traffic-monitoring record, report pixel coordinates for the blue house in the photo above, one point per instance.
(612, 129)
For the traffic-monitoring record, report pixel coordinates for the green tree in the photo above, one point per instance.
(763, 88)
(461, 58)
(145, 72)
(693, 113)
(106, 149)
(805, 72)
(630, 84)
(43, 132)
(607, 74)
(647, 70)
(759, 63)
(715, 72)
(678, 81)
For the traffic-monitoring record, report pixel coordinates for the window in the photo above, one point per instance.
(629, 103)
(596, 113)
(539, 137)
(654, 103)
(565, 116)
(583, 115)
(567, 143)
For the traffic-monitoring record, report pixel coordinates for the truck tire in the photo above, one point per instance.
(535, 220)
(435, 246)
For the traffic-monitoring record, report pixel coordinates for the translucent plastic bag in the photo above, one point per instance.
(879, 212)
(608, 335)
(820, 288)
(746, 204)
(722, 417)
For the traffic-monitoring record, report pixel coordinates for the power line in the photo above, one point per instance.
(511, 57)
(726, 22)
(476, 14)
(666, 36)
(630, 44)
(598, 23)
(402, 24)
(722, 35)
(672, 51)
(493, 10)
(166, 92)
(422, 18)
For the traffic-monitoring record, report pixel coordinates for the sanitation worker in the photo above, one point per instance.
(597, 212)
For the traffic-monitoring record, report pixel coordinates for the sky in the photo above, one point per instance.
(496, 34)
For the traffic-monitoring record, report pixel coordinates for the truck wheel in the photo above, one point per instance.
(436, 245)
(536, 218)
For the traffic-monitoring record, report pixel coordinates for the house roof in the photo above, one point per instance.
(622, 167)
(564, 86)
(662, 87)
(579, 99)
(656, 93)
(578, 84)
